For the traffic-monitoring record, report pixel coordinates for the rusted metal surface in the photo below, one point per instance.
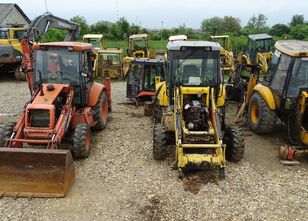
(291, 152)
(35, 172)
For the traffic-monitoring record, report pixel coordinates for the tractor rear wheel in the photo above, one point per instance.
(158, 112)
(294, 125)
(159, 142)
(81, 141)
(234, 140)
(260, 118)
(5, 132)
(101, 112)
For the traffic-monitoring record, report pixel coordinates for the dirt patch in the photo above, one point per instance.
(194, 181)
(152, 211)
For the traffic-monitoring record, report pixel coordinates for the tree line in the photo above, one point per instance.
(120, 30)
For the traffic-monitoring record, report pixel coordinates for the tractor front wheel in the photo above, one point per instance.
(234, 140)
(101, 112)
(159, 142)
(260, 118)
(81, 141)
(5, 132)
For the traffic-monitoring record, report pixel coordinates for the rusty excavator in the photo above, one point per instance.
(65, 103)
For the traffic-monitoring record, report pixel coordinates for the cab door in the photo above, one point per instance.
(279, 77)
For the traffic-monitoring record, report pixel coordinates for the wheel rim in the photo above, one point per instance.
(254, 113)
(104, 111)
(88, 140)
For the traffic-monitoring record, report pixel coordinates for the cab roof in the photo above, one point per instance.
(111, 50)
(93, 36)
(294, 48)
(260, 36)
(138, 36)
(177, 38)
(77, 46)
(219, 36)
(177, 45)
(148, 61)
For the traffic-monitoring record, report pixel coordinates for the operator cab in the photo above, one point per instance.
(262, 43)
(138, 45)
(287, 76)
(193, 64)
(143, 76)
(64, 63)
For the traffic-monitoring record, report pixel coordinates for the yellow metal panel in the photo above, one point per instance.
(267, 95)
(162, 95)
(195, 90)
(221, 98)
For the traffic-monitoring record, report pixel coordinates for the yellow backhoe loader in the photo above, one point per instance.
(283, 93)
(226, 52)
(189, 109)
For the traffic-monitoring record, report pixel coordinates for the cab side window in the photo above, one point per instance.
(86, 62)
(280, 75)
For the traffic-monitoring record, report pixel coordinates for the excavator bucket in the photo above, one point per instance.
(35, 172)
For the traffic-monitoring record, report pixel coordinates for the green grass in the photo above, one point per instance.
(239, 44)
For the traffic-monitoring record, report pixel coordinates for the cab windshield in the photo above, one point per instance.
(94, 42)
(299, 77)
(138, 44)
(195, 68)
(57, 66)
(114, 58)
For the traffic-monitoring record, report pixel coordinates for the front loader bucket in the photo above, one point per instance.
(35, 172)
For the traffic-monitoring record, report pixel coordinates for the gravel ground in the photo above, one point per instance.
(121, 181)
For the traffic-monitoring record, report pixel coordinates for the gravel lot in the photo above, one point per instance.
(121, 181)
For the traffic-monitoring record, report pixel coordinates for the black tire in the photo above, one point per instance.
(81, 141)
(99, 115)
(158, 112)
(260, 118)
(235, 146)
(294, 126)
(5, 132)
(159, 142)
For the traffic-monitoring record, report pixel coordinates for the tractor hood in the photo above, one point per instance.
(50, 93)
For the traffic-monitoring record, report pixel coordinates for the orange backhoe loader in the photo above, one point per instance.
(65, 103)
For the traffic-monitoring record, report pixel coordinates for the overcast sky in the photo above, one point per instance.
(173, 13)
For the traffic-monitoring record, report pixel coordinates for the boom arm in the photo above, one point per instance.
(36, 32)
(40, 25)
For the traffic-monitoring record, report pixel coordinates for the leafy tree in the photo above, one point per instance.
(166, 33)
(231, 24)
(279, 30)
(299, 31)
(134, 29)
(297, 20)
(53, 35)
(212, 25)
(256, 24)
(123, 27)
(100, 27)
(84, 27)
